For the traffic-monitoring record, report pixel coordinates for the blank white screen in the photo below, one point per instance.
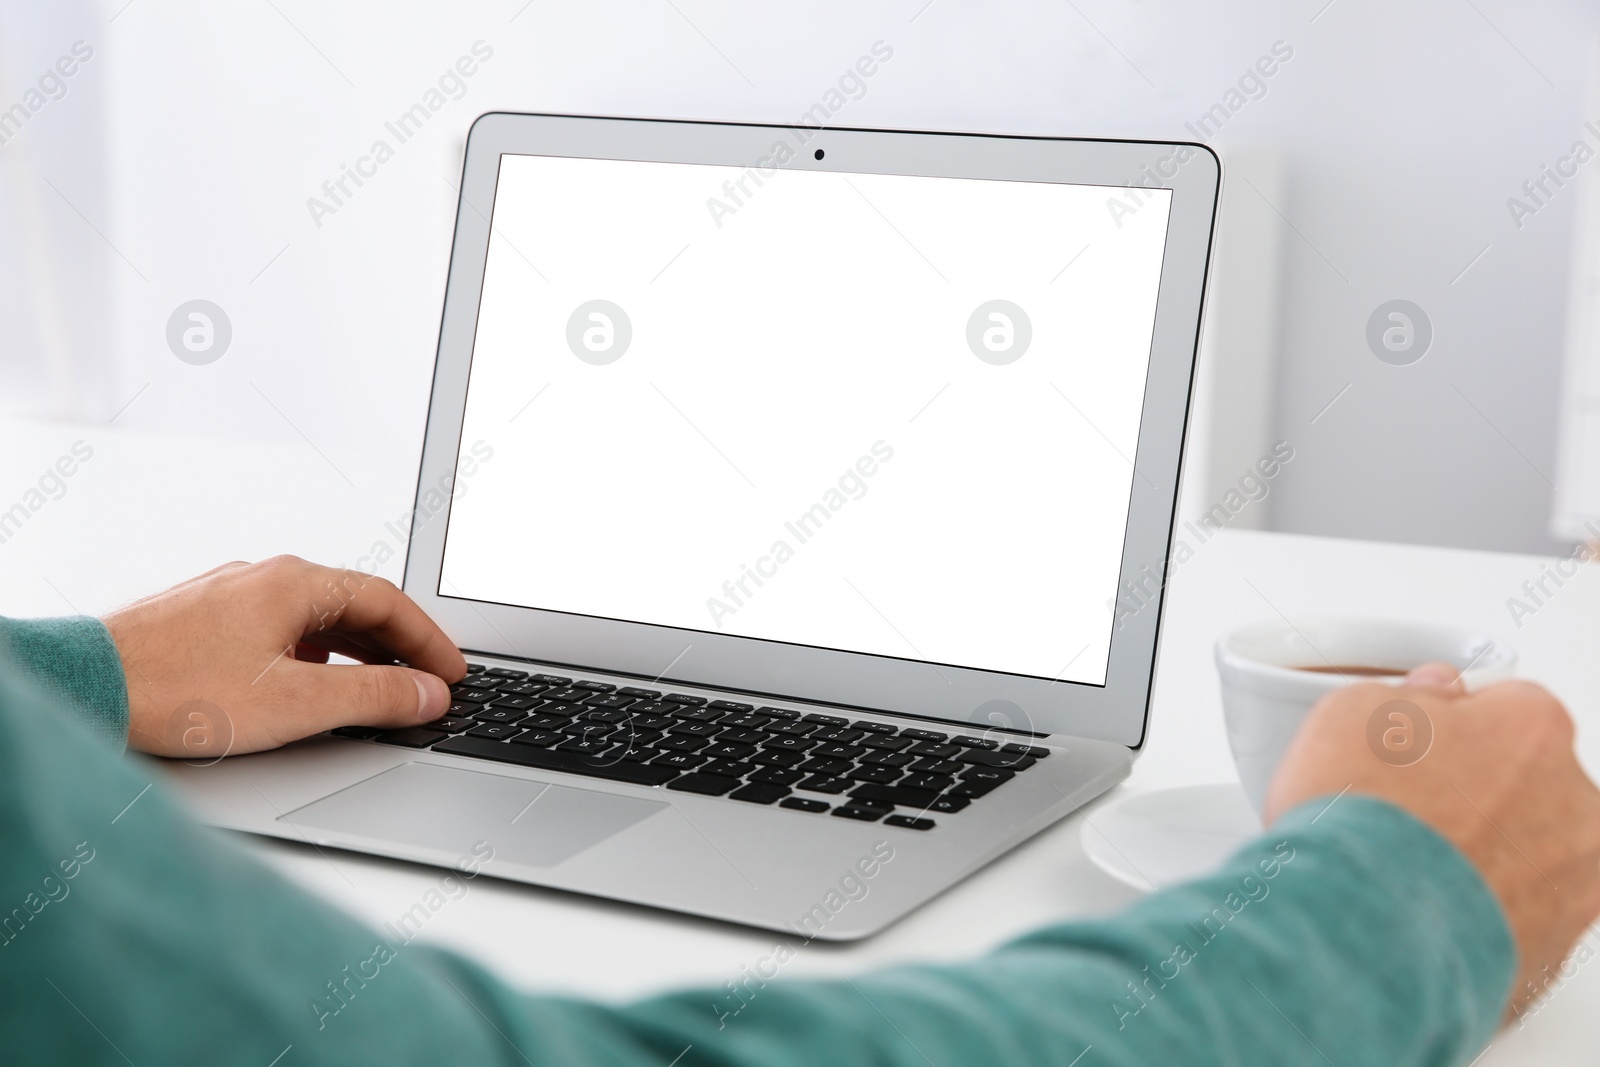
(800, 347)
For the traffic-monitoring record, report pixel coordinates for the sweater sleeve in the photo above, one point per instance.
(76, 664)
(1350, 934)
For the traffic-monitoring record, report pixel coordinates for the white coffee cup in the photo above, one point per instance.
(1265, 697)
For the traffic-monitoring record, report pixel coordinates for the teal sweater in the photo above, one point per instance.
(133, 936)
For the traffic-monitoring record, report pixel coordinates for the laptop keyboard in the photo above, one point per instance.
(813, 763)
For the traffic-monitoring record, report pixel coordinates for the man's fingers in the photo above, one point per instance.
(373, 612)
(360, 695)
(350, 646)
(1439, 676)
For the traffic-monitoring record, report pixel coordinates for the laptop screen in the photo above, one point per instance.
(884, 414)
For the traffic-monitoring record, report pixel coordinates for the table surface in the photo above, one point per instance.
(146, 511)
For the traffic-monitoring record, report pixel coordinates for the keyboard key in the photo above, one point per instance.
(561, 708)
(879, 775)
(683, 761)
(585, 746)
(680, 743)
(843, 735)
(730, 705)
(695, 714)
(987, 774)
(975, 742)
(550, 679)
(610, 700)
(748, 720)
(450, 724)
(973, 790)
(777, 758)
(494, 730)
(789, 744)
(833, 768)
(778, 713)
(639, 694)
(539, 738)
(803, 804)
(887, 759)
(504, 716)
(949, 804)
(505, 672)
(925, 735)
(895, 794)
(936, 766)
(656, 707)
(744, 737)
(555, 759)
(360, 733)
(651, 722)
(825, 720)
(598, 687)
(728, 767)
(777, 775)
(540, 721)
(839, 751)
(476, 668)
(882, 806)
(711, 785)
(791, 729)
(482, 681)
(852, 811)
(886, 743)
(875, 727)
(1025, 750)
(760, 793)
(936, 782)
(696, 729)
(569, 695)
(681, 698)
(639, 754)
(730, 750)
(638, 737)
(935, 751)
(610, 715)
(519, 703)
(996, 759)
(588, 729)
(822, 783)
(523, 689)
(908, 822)
(466, 694)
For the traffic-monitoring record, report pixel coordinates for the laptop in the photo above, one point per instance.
(801, 498)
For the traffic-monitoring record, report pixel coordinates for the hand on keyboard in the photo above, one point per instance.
(236, 660)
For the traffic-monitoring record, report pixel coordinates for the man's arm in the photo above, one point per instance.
(1353, 933)
(75, 662)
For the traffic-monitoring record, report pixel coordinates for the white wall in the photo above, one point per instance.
(54, 300)
(1401, 131)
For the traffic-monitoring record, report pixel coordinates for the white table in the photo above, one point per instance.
(147, 511)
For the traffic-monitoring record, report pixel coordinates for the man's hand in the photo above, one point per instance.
(236, 660)
(1499, 781)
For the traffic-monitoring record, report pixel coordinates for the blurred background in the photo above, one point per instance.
(1436, 153)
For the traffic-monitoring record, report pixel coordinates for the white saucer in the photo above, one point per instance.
(1159, 839)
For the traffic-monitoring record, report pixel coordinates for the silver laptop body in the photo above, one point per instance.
(881, 428)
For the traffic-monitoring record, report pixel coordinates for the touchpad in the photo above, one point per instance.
(452, 811)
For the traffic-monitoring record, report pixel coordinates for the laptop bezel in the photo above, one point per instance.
(1117, 711)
